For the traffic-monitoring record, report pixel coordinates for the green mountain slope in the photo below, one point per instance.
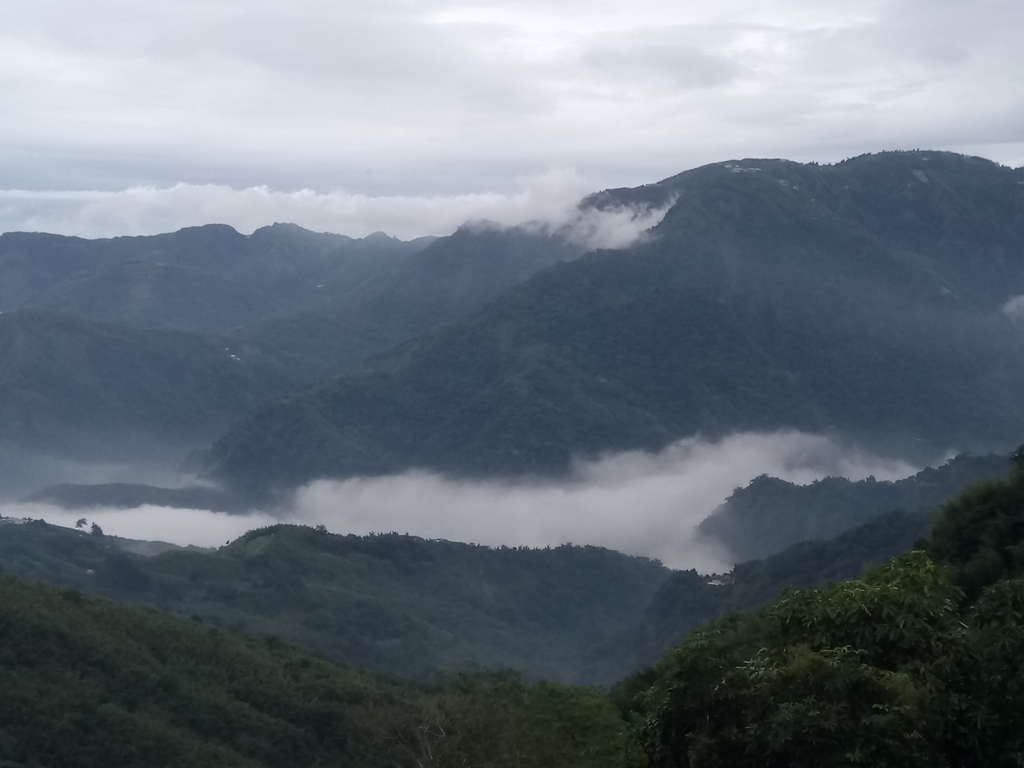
(863, 298)
(688, 600)
(771, 514)
(916, 663)
(403, 604)
(88, 684)
(390, 602)
(447, 280)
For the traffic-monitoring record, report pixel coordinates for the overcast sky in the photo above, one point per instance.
(124, 116)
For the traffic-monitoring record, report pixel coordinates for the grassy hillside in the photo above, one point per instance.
(89, 683)
(863, 298)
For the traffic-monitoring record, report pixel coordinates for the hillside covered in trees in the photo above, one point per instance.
(916, 663)
(88, 683)
(771, 514)
(772, 295)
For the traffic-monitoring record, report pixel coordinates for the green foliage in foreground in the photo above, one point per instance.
(918, 663)
(87, 682)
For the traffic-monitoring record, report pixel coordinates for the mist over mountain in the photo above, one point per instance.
(133, 343)
(771, 514)
(864, 299)
(405, 604)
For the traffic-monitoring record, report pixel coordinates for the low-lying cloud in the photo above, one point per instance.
(550, 200)
(638, 503)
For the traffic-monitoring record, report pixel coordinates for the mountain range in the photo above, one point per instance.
(872, 300)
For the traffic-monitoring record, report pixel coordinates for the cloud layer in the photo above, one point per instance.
(549, 200)
(641, 504)
(437, 98)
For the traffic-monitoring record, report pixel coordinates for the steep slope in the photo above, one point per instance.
(448, 280)
(864, 298)
(771, 514)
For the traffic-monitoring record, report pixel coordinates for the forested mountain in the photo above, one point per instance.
(771, 514)
(448, 280)
(316, 303)
(688, 600)
(920, 662)
(865, 299)
(208, 279)
(86, 352)
(69, 385)
(389, 602)
(92, 684)
(407, 605)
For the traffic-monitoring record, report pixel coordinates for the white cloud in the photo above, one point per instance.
(642, 504)
(550, 200)
(437, 97)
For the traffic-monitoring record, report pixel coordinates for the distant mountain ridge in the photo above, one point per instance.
(770, 514)
(208, 279)
(863, 299)
(172, 337)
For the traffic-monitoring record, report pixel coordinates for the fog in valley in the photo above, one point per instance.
(638, 503)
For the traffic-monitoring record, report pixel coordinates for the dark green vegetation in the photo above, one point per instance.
(864, 299)
(407, 605)
(920, 662)
(771, 514)
(88, 683)
(390, 602)
(688, 600)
